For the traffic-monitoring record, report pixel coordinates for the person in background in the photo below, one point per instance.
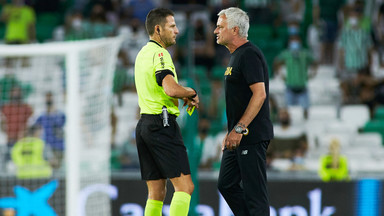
(20, 22)
(52, 122)
(74, 26)
(28, 156)
(334, 166)
(379, 34)
(297, 61)
(355, 49)
(289, 139)
(327, 12)
(15, 115)
(97, 25)
(203, 44)
(10, 81)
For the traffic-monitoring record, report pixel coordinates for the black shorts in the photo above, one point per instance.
(162, 153)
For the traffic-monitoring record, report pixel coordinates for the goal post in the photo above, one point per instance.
(78, 76)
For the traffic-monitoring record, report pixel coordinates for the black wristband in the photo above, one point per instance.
(193, 96)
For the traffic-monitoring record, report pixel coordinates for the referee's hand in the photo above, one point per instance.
(191, 102)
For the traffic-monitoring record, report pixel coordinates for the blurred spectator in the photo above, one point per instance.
(313, 40)
(326, 12)
(334, 166)
(379, 34)
(370, 92)
(20, 22)
(379, 96)
(109, 6)
(73, 27)
(135, 37)
(355, 47)
(293, 27)
(292, 10)
(27, 154)
(298, 157)
(15, 115)
(97, 26)
(52, 122)
(297, 61)
(259, 11)
(121, 81)
(8, 82)
(221, 4)
(290, 141)
(203, 44)
(140, 8)
(189, 2)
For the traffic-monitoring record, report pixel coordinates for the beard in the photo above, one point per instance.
(169, 42)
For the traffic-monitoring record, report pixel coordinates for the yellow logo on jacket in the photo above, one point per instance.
(228, 71)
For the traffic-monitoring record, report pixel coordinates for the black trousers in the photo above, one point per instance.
(243, 179)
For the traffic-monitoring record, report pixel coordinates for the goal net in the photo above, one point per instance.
(55, 127)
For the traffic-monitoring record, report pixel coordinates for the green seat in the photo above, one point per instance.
(218, 72)
(281, 32)
(205, 88)
(379, 113)
(260, 31)
(375, 126)
(44, 32)
(260, 34)
(201, 72)
(45, 25)
(277, 44)
(269, 57)
(49, 18)
(2, 30)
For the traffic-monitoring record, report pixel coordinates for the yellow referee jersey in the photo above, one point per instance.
(151, 58)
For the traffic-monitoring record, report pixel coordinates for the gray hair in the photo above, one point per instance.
(236, 17)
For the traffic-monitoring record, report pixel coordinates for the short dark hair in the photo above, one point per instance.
(155, 17)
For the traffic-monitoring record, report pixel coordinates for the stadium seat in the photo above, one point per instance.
(313, 130)
(45, 24)
(326, 138)
(297, 114)
(356, 115)
(218, 72)
(379, 113)
(375, 126)
(281, 164)
(2, 30)
(324, 91)
(257, 32)
(325, 72)
(338, 126)
(367, 140)
(322, 112)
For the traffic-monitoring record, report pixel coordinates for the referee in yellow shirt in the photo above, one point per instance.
(160, 146)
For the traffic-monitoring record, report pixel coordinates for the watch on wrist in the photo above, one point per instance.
(241, 130)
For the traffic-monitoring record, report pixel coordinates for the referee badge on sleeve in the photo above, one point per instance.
(161, 56)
